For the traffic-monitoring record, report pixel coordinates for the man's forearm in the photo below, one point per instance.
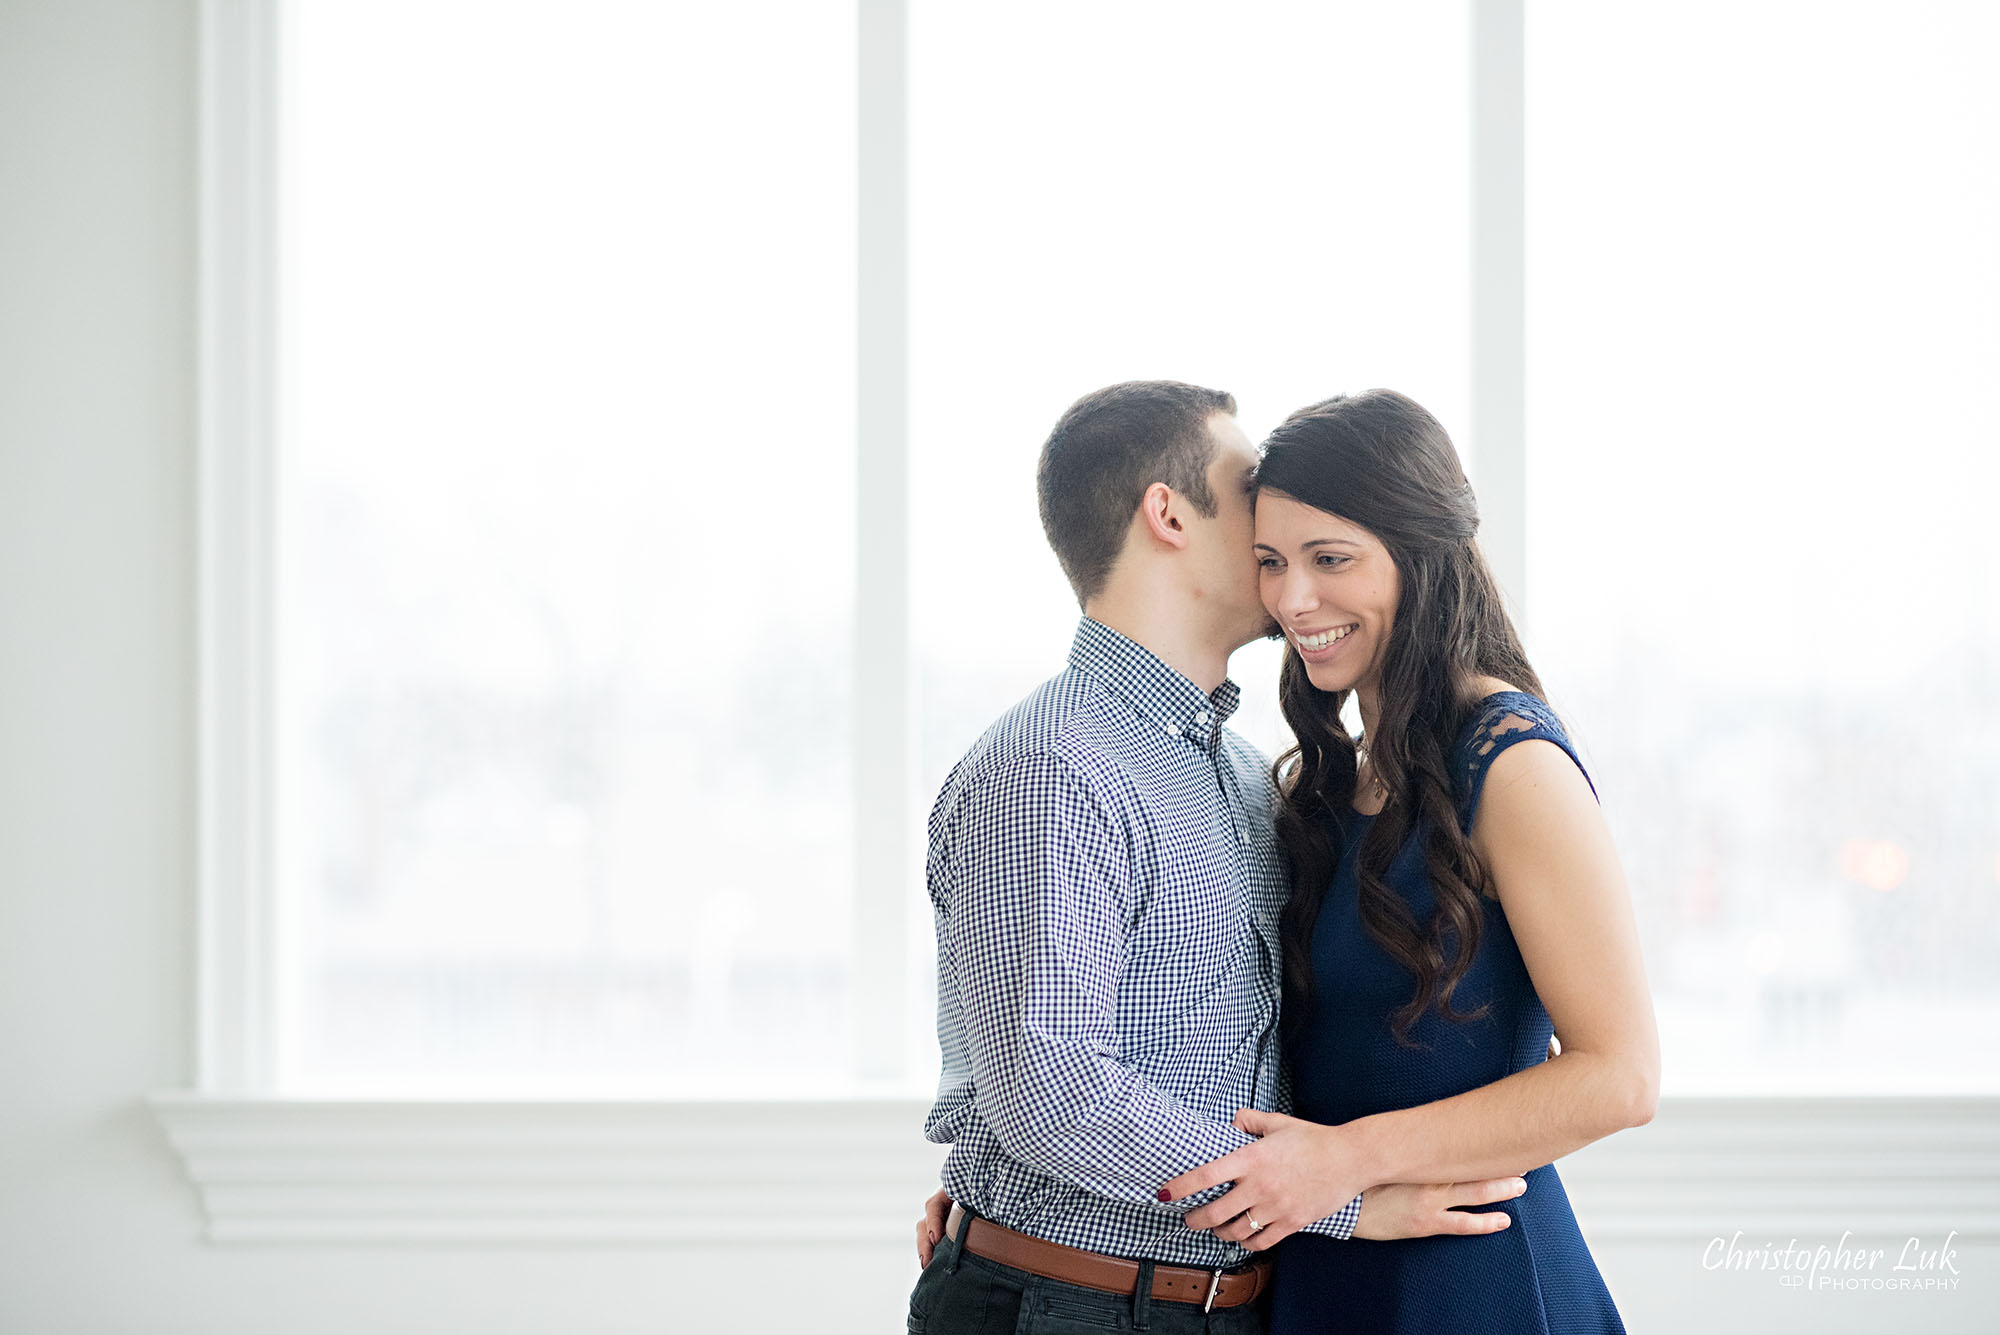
(1125, 1151)
(1124, 1143)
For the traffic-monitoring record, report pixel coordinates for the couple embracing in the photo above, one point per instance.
(1142, 1136)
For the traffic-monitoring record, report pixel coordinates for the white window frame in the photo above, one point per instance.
(275, 1169)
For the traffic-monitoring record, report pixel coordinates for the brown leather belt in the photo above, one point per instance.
(1109, 1274)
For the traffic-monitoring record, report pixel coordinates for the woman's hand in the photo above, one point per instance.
(1295, 1173)
(931, 1227)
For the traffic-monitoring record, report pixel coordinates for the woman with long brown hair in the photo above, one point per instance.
(1456, 901)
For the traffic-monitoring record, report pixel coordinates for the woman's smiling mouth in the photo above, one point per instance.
(1321, 640)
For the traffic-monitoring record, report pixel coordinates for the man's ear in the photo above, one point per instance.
(1160, 512)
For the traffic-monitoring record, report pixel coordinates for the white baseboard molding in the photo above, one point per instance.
(319, 1170)
(1774, 1167)
(276, 1170)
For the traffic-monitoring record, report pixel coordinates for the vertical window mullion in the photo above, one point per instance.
(884, 679)
(236, 498)
(1499, 293)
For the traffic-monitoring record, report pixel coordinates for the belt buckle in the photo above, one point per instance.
(1214, 1287)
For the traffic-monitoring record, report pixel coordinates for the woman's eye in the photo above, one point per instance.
(1329, 561)
(1267, 562)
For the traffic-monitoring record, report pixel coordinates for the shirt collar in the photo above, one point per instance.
(1157, 693)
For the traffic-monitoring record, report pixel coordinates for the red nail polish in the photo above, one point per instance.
(1166, 1195)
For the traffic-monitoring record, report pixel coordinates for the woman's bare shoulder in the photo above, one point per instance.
(1485, 686)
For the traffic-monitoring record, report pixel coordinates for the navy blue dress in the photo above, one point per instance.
(1534, 1276)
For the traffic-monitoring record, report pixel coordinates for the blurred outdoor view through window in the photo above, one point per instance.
(1763, 333)
(567, 735)
(566, 742)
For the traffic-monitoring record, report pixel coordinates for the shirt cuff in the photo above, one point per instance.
(1346, 1217)
(1340, 1224)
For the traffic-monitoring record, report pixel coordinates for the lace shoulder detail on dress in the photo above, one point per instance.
(1503, 720)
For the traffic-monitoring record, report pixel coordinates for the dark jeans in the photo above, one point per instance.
(963, 1294)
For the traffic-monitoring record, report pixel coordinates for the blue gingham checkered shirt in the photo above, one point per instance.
(1106, 884)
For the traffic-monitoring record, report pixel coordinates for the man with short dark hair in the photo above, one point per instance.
(1106, 884)
(1103, 454)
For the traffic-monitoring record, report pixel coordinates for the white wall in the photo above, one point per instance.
(99, 1230)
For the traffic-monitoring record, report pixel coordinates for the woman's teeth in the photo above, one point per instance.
(1324, 638)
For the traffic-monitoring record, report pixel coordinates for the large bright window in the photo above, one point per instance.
(566, 519)
(572, 625)
(1120, 191)
(1764, 325)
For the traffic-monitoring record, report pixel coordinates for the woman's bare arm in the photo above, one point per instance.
(1543, 840)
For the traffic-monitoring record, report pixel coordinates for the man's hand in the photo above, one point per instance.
(1408, 1210)
(931, 1227)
